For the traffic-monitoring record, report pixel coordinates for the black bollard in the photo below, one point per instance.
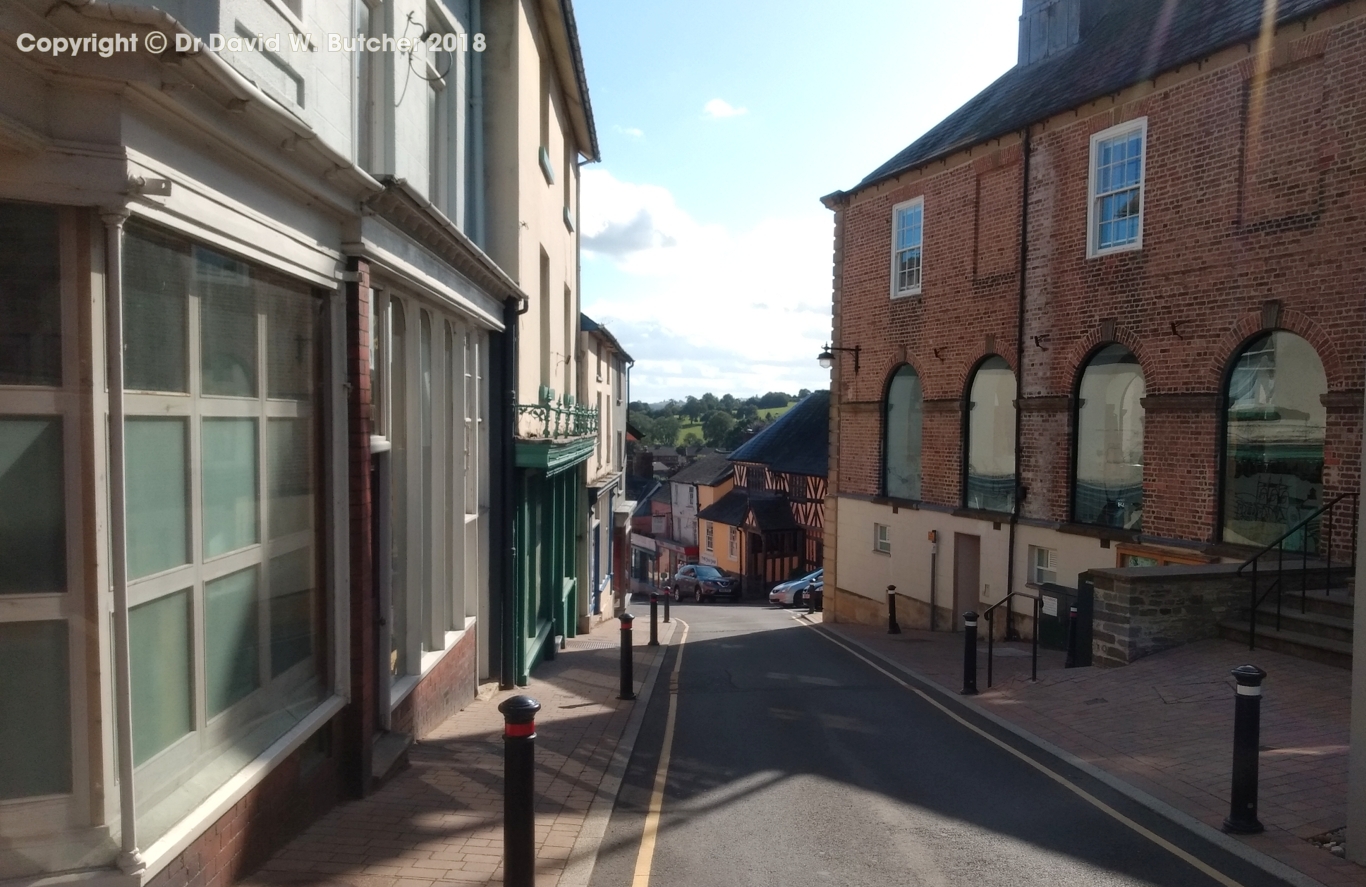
(969, 653)
(654, 619)
(519, 790)
(668, 596)
(628, 684)
(1247, 715)
(892, 626)
(811, 599)
(1071, 660)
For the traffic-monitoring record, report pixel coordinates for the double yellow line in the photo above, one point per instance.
(646, 857)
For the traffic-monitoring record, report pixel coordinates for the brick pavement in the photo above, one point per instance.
(1164, 725)
(439, 822)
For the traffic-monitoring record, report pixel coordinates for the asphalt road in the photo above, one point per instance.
(794, 763)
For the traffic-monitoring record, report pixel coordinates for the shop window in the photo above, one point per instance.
(990, 456)
(1274, 421)
(1108, 484)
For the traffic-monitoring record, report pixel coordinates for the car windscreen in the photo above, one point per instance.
(709, 573)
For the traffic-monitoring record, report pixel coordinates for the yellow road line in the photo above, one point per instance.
(1056, 777)
(646, 857)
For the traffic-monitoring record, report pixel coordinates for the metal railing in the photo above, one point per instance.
(989, 615)
(1312, 542)
(561, 420)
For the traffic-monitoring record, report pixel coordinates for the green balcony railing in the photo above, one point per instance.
(557, 421)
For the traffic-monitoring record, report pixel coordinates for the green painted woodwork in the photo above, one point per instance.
(553, 457)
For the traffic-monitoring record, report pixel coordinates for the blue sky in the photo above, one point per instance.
(706, 250)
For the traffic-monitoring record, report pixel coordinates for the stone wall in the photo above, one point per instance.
(1144, 610)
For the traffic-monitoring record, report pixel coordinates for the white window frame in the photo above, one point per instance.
(54, 813)
(899, 292)
(1140, 125)
(1042, 560)
(734, 542)
(882, 538)
(446, 179)
(709, 535)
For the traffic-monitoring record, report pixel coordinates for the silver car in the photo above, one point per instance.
(793, 592)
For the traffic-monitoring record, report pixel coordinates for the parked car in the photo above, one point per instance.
(793, 592)
(705, 583)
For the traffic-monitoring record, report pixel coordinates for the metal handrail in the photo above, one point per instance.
(991, 634)
(562, 421)
(1277, 585)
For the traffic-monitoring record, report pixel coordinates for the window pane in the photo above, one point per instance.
(291, 609)
(32, 507)
(1273, 475)
(904, 406)
(159, 644)
(35, 710)
(289, 458)
(291, 321)
(30, 296)
(157, 497)
(231, 649)
(1109, 479)
(227, 324)
(991, 437)
(156, 274)
(230, 492)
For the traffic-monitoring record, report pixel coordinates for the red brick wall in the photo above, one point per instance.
(442, 692)
(1255, 193)
(359, 718)
(299, 790)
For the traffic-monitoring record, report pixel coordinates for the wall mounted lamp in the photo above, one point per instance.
(827, 357)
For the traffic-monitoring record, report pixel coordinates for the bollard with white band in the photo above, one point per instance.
(1247, 713)
(969, 653)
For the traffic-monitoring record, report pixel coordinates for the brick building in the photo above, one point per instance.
(1109, 312)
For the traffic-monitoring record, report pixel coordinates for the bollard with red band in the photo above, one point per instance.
(628, 683)
(519, 790)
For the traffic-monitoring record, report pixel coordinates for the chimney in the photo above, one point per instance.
(1048, 27)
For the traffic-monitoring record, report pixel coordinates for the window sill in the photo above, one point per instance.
(402, 686)
(1115, 250)
(881, 552)
(908, 294)
(1096, 531)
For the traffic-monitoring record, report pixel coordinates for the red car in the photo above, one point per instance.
(705, 583)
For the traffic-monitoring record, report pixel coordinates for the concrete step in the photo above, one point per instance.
(1334, 628)
(1305, 646)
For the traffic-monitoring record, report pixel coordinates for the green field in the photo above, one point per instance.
(768, 414)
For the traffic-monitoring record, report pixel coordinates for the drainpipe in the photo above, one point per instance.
(1019, 378)
(477, 125)
(506, 475)
(130, 858)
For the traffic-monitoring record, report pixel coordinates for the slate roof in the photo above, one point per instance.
(589, 325)
(771, 513)
(1130, 42)
(731, 509)
(709, 471)
(798, 441)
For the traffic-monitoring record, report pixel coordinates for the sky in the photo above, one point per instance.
(705, 248)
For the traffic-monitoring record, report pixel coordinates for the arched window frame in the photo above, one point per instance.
(1075, 429)
(1221, 444)
(965, 449)
(885, 462)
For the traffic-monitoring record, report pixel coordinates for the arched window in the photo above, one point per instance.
(1107, 488)
(991, 438)
(1273, 443)
(902, 415)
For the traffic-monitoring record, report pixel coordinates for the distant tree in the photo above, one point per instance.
(709, 403)
(746, 413)
(805, 392)
(728, 403)
(738, 434)
(665, 431)
(691, 439)
(692, 408)
(717, 426)
(752, 400)
(774, 399)
(641, 407)
(643, 422)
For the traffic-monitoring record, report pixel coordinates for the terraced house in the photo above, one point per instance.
(259, 322)
(1109, 317)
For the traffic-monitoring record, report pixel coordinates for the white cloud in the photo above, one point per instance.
(698, 306)
(718, 109)
(630, 131)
